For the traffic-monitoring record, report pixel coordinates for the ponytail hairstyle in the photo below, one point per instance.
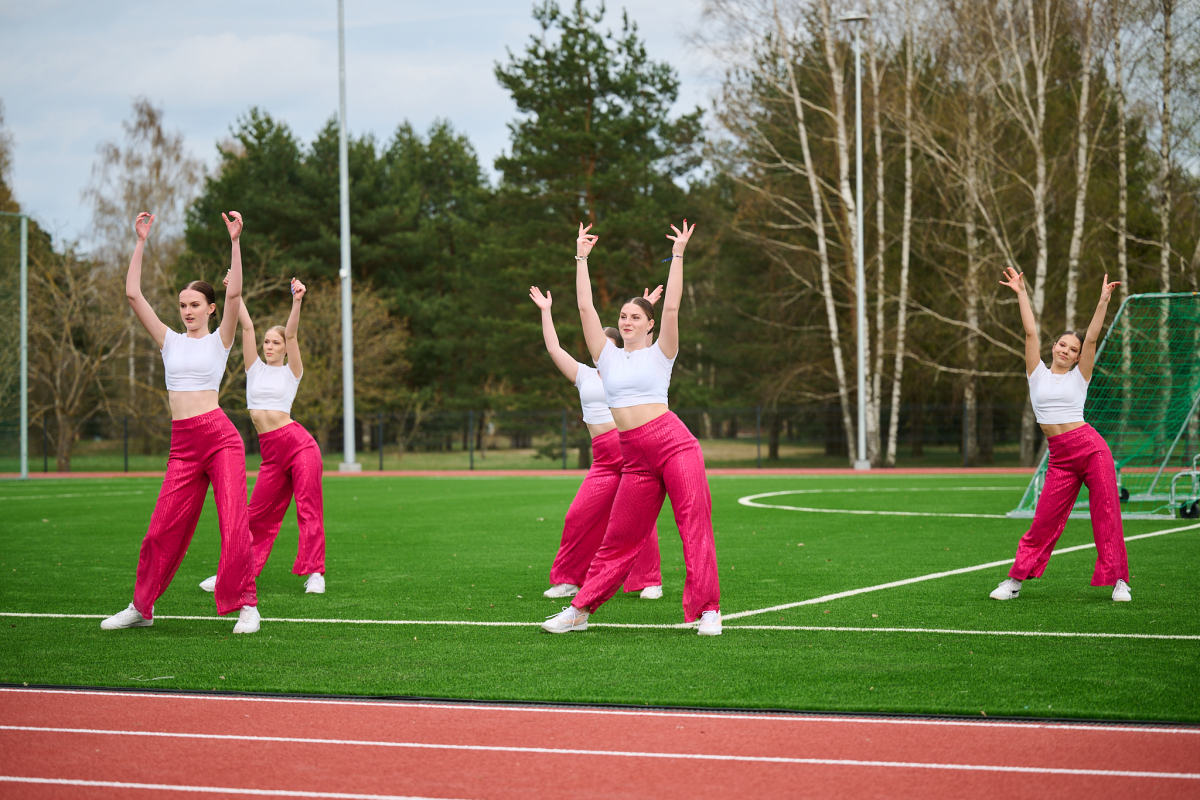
(615, 336)
(645, 306)
(1078, 338)
(205, 288)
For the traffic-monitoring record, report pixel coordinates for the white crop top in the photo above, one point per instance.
(591, 396)
(270, 388)
(1057, 399)
(193, 365)
(634, 377)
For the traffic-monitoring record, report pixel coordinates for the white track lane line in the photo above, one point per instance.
(57, 496)
(936, 575)
(478, 748)
(172, 787)
(807, 719)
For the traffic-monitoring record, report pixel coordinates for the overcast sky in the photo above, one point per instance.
(70, 69)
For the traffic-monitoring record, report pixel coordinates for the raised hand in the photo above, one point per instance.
(298, 291)
(1106, 289)
(142, 225)
(652, 296)
(225, 282)
(543, 301)
(585, 242)
(680, 238)
(1016, 280)
(234, 225)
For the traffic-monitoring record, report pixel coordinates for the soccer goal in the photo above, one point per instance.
(1143, 399)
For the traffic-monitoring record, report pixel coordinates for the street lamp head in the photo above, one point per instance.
(854, 16)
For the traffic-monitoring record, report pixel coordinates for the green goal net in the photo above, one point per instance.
(1143, 400)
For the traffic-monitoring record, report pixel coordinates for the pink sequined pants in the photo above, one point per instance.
(662, 458)
(206, 448)
(291, 463)
(1079, 457)
(587, 519)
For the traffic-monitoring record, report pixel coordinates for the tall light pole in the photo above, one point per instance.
(24, 345)
(348, 463)
(860, 280)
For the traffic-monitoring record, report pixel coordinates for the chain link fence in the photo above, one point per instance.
(793, 436)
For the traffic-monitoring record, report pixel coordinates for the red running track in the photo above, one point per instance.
(67, 744)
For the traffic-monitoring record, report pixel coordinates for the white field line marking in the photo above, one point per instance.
(516, 707)
(679, 625)
(171, 787)
(475, 748)
(935, 575)
(749, 500)
(57, 496)
(870, 490)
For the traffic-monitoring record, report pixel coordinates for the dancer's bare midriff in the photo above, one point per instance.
(1064, 427)
(185, 405)
(267, 420)
(632, 417)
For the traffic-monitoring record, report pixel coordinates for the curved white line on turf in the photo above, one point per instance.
(935, 575)
(835, 762)
(749, 500)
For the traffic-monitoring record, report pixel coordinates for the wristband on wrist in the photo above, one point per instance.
(581, 258)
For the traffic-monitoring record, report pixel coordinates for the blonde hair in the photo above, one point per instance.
(282, 335)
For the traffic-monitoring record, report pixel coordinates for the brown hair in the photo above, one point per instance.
(205, 288)
(615, 335)
(645, 306)
(1078, 338)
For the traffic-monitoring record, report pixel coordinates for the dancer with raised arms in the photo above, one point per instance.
(291, 458)
(587, 518)
(662, 458)
(205, 446)
(1078, 454)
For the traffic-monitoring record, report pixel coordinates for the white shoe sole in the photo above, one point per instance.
(554, 629)
(145, 623)
(1128, 598)
(556, 593)
(651, 593)
(1005, 595)
(209, 584)
(703, 632)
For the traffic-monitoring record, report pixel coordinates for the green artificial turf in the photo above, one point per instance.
(479, 549)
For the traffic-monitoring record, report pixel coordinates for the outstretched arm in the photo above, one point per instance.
(593, 331)
(293, 326)
(133, 283)
(1033, 349)
(1087, 356)
(668, 332)
(566, 364)
(249, 342)
(233, 286)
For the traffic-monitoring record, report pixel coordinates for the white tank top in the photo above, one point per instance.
(591, 396)
(193, 365)
(634, 377)
(270, 388)
(1057, 399)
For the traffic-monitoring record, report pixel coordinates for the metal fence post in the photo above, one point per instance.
(381, 441)
(45, 447)
(126, 425)
(471, 437)
(758, 432)
(564, 427)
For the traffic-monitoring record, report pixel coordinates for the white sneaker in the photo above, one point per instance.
(248, 620)
(1121, 592)
(129, 618)
(651, 593)
(1008, 589)
(315, 584)
(710, 624)
(567, 620)
(561, 590)
(209, 584)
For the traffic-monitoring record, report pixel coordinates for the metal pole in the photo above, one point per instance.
(381, 441)
(24, 347)
(564, 438)
(758, 432)
(126, 421)
(860, 280)
(471, 437)
(45, 447)
(348, 463)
